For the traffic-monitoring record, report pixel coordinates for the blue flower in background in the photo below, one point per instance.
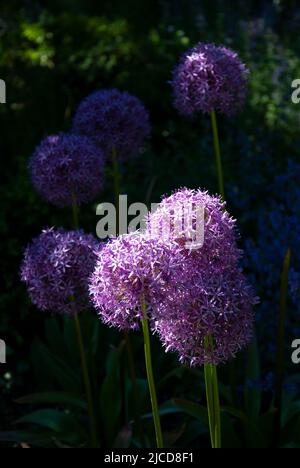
(278, 224)
(276, 227)
(294, 280)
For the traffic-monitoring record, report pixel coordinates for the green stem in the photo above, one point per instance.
(87, 383)
(84, 367)
(147, 346)
(218, 154)
(281, 342)
(219, 166)
(213, 399)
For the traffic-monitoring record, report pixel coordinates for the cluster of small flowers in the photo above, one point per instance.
(69, 168)
(56, 266)
(210, 78)
(114, 120)
(190, 295)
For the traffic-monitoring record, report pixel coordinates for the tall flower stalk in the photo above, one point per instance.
(56, 268)
(209, 317)
(213, 398)
(217, 149)
(87, 382)
(129, 282)
(119, 124)
(210, 79)
(67, 170)
(131, 364)
(150, 376)
(81, 347)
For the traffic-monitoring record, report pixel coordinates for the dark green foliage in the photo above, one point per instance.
(52, 54)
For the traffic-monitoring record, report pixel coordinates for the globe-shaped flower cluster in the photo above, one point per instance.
(217, 306)
(181, 216)
(184, 271)
(209, 78)
(56, 268)
(213, 300)
(67, 169)
(115, 120)
(190, 294)
(131, 269)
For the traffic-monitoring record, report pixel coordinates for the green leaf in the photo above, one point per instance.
(40, 439)
(111, 395)
(53, 368)
(54, 398)
(289, 411)
(177, 373)
(63, 425)
(195, 429)
(137, 400)
(169, 407)
(57, 421)
(172, 437)
(193, 409)
(235, 413)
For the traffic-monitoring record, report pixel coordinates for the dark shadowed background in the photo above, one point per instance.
(54, 53)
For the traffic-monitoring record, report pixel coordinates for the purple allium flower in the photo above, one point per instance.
(130, 268)
(67, 168)
(209, 295)
(213, 305)
(180, 210)
(56, 269)
(115, 120)
(210, 78)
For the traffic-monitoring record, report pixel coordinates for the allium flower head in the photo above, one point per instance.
(186, 212)
(210, 78)
(67, 168)
(131, 268)
(115, 120)
(56, 269)
(219, 306)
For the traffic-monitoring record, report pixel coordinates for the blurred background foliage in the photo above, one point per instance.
(54, 53)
